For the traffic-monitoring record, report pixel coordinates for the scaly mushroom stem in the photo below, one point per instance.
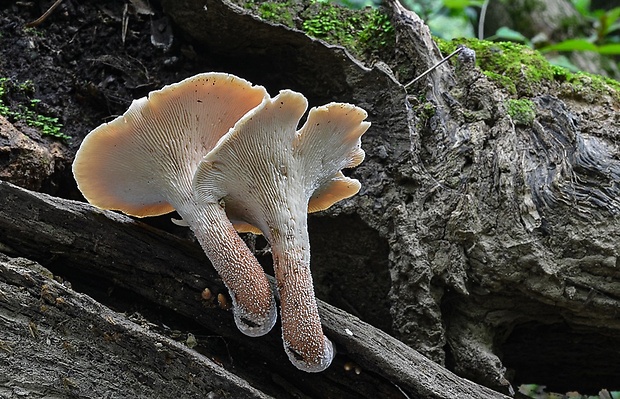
(254, 306)
(270, 175)
(306, 346)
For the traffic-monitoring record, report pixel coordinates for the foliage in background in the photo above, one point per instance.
(27, 110)
(536, 391)
(450, 19)
(606, 37)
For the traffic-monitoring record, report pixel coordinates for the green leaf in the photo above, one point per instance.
(450, 27)
(611, 17)
(571, 45)
(564, 62)
(615, 26)
(458, 4)
(505, 33)
(461, 4)
(583, 6)
(609, 49)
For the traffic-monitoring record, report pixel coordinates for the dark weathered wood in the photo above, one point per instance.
(55, 342)
(173, 272)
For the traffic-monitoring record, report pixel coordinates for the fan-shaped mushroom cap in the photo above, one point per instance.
(143, 162)
(279, 174)
(271, 161)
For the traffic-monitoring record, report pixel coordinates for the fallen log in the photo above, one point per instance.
(58, 342)
(172, 272)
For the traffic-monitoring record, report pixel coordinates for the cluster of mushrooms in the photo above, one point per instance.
(229, 158)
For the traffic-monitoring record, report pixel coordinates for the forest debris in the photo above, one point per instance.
(26, 162)
(43, 17)
(142, 7)
(431, 69)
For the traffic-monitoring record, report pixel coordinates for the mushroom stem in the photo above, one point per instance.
(304, 342)
(254, 306)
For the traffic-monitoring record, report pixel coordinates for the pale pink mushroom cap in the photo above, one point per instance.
(281, 174)
(143, 162)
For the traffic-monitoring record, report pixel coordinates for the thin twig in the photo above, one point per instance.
(125, 23)
(401, 390)
(483, 14)
(458, 50)
(43, 17)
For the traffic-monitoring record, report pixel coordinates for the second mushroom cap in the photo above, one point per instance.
(272, 163)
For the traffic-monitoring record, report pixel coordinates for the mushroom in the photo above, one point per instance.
(269, 176)
(143, 162)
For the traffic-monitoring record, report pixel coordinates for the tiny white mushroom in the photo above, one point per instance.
(279, 175)
(143, 162)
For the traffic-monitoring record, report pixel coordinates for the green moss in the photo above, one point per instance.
(362, 32)
(502, 80)
(521, 111)
(33, 32)
(515, 67)
(378, 32)
(27, 110)
(523, 71)
(277, 12)
(324, 21)
(424, 110)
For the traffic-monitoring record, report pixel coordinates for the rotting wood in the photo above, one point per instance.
(173, 273)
